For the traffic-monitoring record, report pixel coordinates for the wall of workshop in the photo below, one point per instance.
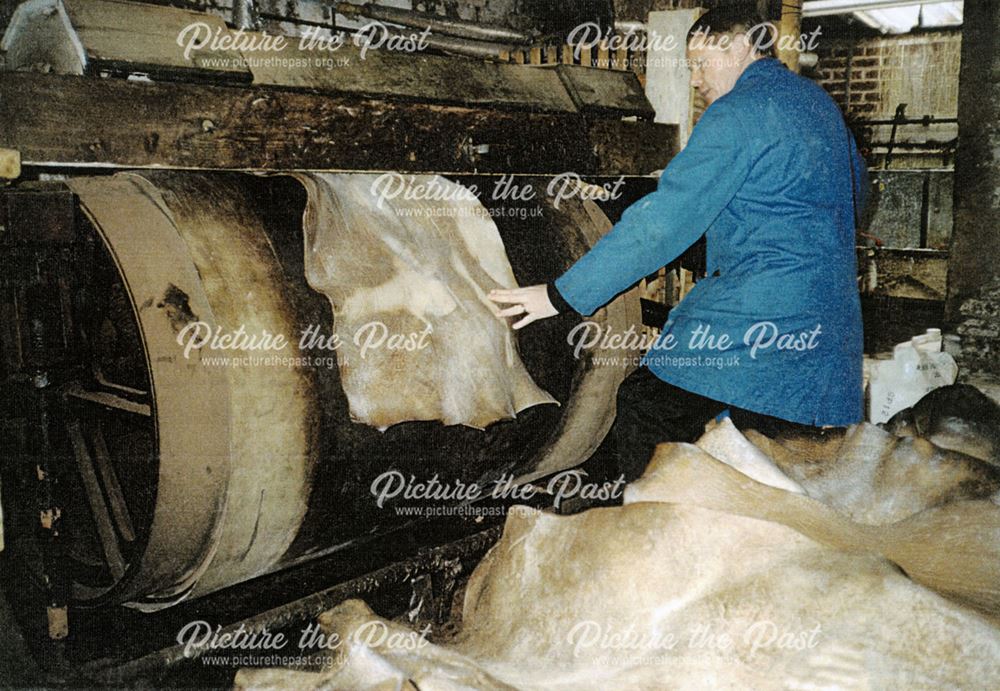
(870, 77)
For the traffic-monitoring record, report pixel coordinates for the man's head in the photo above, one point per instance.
(721, 44)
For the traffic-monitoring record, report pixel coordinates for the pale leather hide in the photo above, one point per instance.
(706, 578)
(418, 271)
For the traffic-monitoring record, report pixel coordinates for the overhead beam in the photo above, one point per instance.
(65, 120)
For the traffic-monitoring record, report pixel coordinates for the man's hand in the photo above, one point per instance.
(533, 302)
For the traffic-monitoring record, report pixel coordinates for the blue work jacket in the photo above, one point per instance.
(772, 177)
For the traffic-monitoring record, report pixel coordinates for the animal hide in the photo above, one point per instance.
(959, 417)
(715, 573)
(407, 280)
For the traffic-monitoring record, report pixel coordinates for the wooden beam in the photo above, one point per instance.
(71, 120)
(415, 77)
(631, 148)
(611, 92)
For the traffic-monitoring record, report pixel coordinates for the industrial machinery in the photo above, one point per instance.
(155, 190)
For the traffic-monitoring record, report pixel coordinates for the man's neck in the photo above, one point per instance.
(749, 60)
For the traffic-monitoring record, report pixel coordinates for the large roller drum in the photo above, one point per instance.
(254, 466)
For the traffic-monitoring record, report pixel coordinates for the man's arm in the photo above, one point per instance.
(696, 186)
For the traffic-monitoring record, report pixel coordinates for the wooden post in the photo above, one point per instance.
(603, 55)
(790, 32)
(621, 58)
(975, 237)
(567, 54)
(668, 79)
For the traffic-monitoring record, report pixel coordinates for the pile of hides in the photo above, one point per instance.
(407, 279)
(854, 559)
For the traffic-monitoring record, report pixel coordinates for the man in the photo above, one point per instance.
(773, 178)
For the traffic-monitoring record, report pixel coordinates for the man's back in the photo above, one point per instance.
(771, 176)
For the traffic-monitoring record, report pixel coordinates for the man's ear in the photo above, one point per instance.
(742, 46)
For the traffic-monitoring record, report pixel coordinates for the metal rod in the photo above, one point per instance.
(928, 146)
(50, 513)
(107, 399)
(448, 44)
(116, 498)
(458, 46)
(245, 15)
(421, 20)
(102, 518)
(900, 114)
(464, 46)
(332, 26)
(303, 609)
(103, 381)
(925, 120)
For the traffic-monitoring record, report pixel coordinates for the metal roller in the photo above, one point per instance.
(229, 498)
(257, 468)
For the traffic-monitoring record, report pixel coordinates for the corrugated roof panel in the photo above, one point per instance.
(891, 16)
(899, 20)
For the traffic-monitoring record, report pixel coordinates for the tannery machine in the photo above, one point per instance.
(168, 171)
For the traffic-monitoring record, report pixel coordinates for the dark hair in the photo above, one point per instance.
(738, 20)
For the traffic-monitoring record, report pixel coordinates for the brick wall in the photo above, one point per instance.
(849, 73)
(870, 77)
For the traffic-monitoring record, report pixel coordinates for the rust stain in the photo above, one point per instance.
(175, 303)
